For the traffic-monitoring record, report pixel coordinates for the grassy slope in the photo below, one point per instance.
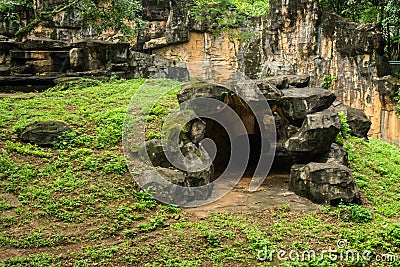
(76, 205)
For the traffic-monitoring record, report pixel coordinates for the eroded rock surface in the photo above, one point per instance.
(315, 136)
(180, 162)
(358, 122)
(327, 183)
(295, 104)
(337, 154)
(307, 123)
(198, 89)
(44, 133)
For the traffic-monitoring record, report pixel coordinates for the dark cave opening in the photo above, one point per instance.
(218, 134)
(222, 154)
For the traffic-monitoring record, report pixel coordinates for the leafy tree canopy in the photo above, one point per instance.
(222, 14)
(386, 12)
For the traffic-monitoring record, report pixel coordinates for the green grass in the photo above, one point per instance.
(77, 205)
(377, 173)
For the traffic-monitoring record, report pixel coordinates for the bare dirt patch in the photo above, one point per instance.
(273, 193)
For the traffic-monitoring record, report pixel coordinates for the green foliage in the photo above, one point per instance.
(375, 166)
(144, 200)
(345, 130)
(152, 224)
(213, 237)
(27, 149)
(356, 10)
(328, 81)
(9, 9)
(386, 12)
(83, 195)
(73, 139)
(220, 15)
(354, 213)
(111, 14)
(155, 112)
(345, 126)
(102, 15)
(35, 260)
(392, 233)
(75, 84)
(109, 130)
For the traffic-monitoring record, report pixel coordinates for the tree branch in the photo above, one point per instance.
(43, 16)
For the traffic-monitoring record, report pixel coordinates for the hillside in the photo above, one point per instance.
(76, 204)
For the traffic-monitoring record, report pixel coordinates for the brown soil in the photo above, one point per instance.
(273, 193)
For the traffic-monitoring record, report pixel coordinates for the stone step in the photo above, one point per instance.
(26, 80)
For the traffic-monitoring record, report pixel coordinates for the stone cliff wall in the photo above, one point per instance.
(297, 38)
(66, 26)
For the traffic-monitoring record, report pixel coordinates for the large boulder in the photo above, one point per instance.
(358, 122)
(356, 118)
(295, 104)
(44, 133)
(173, 186)
(299, 81)
(184, 162)
(337, 154)
(152, 152)
(286, 81)
(284, 129)
(328, 183)
(279, 81)
(198, 88)
(315, 137)
(270, 92)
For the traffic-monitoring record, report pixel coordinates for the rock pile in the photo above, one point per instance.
(307, 124)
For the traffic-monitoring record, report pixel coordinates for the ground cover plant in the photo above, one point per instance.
(76, 204)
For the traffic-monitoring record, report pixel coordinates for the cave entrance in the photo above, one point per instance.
(223, 145)
(222, 150)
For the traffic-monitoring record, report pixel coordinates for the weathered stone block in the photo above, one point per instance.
(270, 92)
(41, 44)
(337, 154)
(172, 187)
(359, 122)
(328, 183)
(315, 137)
(197, 89)
(153, 150)
(295, 104)
(44, 133)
